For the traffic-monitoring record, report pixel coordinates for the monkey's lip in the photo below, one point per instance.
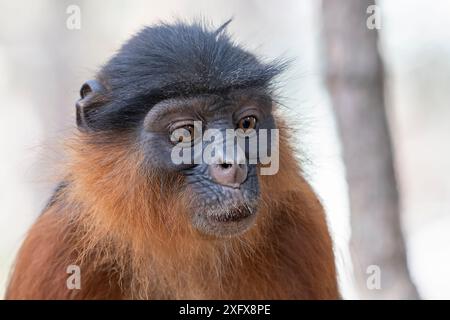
(233, 215)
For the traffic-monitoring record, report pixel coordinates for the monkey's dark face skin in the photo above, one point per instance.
(223, 194)
(162, 81)
(221, 210)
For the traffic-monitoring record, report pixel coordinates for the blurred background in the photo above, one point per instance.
(372, 105)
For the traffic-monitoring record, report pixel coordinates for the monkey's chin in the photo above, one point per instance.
(225, 223)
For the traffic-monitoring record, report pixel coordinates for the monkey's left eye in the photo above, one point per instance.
(183, 134)
(247, 123)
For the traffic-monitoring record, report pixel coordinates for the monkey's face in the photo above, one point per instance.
(213, 141)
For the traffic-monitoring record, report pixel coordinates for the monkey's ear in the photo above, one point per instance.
(90, 98)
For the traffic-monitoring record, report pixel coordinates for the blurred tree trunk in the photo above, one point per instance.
(355, 82)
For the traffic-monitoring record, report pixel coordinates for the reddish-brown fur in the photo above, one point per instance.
(132, 238)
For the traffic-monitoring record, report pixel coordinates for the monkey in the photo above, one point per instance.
(142, 226)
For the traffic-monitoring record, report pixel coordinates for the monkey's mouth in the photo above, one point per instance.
(233, 215)
(226, 220)
(223, 211)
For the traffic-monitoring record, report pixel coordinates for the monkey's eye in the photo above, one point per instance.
(184, 134)
(247, 123)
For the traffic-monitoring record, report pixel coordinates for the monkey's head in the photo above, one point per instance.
(177, 94)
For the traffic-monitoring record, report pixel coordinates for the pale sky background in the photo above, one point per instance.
(43, 64)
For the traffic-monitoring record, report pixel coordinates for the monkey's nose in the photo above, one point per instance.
(227, 174)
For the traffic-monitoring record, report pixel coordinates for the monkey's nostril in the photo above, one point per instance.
(226, 165)
(228, 174)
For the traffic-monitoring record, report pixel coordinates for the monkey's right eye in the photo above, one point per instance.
(185, 134)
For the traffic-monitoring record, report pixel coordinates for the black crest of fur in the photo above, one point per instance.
(176, 60)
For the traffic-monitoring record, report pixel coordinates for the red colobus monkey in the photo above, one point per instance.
(138, 225)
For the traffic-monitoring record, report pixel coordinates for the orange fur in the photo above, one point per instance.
(132, 238)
